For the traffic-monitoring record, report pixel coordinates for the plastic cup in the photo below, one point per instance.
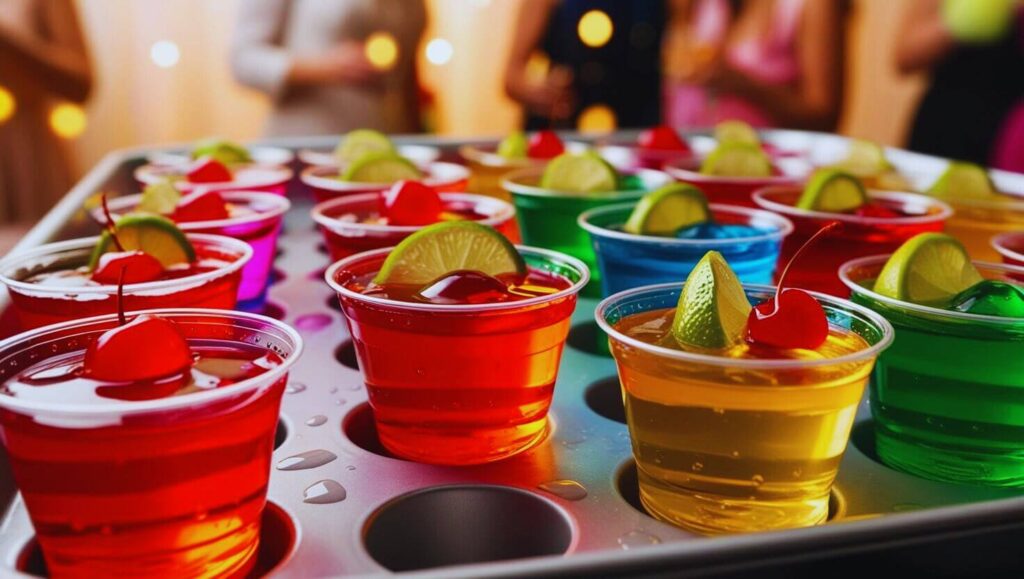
(1011, 247)
(975, 222)
(172, 487)
(323, 181)
(263, 178)
(488, 169)
(421, 155)
(459, 384)
(738, 190)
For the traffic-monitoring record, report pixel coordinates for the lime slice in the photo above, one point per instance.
(737, 160)
(667, 210)
(579, 173)
(513, 146)
(713, 309)
(160, 198)
(381, 168)
(359, 142)
(865, 159)
(450, 246)
(152, 234)
(226, 152)
(929, 269)
(832, 191)
(736, 132)
(962, 179)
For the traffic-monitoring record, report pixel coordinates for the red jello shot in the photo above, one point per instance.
(354, 223)
(464, 372)
(879, 227)
(252, 177)
(739, 190)
(420, 155)
(325, 184)
(150, 459)
(1011, 247)
(652, 149)
(253, 217)
(51, 283)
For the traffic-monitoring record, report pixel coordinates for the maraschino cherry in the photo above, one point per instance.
(792, 319)
(544, 145)
(200, 206)
(411, 203)
(208, 170)
(124, 266)
(145, 349)
(662, 138)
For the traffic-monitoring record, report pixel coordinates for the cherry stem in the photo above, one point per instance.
(810, 241)
(120, 296)
(110, 223)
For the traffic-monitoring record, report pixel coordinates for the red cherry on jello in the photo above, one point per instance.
(200, 206)
(208, 170)
(147, 348)
(798, 322)
(465, 287)
(544, 145)
(138, 266)
(662, 138)
(411, 203)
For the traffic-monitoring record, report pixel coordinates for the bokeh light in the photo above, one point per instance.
(67, 120)
(439, 51)
(381, 50)
(597, 119)
(164, 54)
(7, 104)
(595, 28)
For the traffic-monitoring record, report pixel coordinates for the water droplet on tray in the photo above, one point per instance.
(317, 420)
(313, 322)
(305, 460)
(569, 490)
(295, 388)
(324, 492)
(637, 538)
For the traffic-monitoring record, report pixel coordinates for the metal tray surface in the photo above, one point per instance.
(355, 511)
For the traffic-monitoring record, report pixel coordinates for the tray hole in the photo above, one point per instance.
(270, 308)
(280, 434)
(360, 428)
(317, 274)
(346, 355)
(277, 276)
(629, 488)
(863, 438)
(334, 304)
(277, 544)
(455, 525)
(605, 398)
(321, 248)
(588, 337)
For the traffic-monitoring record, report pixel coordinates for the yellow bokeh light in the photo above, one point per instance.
(597, 119)
(7, 104)
(67, 120)
(381, 50)
(595, 28)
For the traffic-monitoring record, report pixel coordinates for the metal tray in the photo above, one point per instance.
(342, 507)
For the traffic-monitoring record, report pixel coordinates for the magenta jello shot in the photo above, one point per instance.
(325, 184)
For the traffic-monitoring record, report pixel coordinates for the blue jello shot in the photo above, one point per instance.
(749, 239)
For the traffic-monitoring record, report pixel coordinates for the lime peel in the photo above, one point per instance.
(152, 234)
(665, 211)
(713, 308)
(832, 191)
(928, 269)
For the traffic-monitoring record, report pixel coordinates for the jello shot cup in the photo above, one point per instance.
(48, 284)
(975, 222)
(729, 445)
(351, 224)
(1010, 247)
(465, 383)
(253, 177)
(948, 397)
(323, 181)
(160, 487)
(739, 190)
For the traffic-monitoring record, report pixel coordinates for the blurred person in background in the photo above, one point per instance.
(771, 63)
(43, 60)
(622, 73)
(310, 58)
(973, 108)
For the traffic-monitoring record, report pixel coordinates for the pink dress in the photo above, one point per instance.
(771, 60)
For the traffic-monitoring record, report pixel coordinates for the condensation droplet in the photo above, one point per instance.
(295, 388)
(757, 479)
(569, 490)
(324, 492)
(317, 420)
(637, 538)
(306, 460)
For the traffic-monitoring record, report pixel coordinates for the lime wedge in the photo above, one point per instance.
(160, 198)
(152, 234)
(736, 132)
(380, 168)
(832, 191)
(962, 179)
(226, 152)
(929, 269)
(513, 146)
(865, 159)
(737, 160)
(359, 142)
(667, 210)
(450, 246)
(713, 309)
(579, 173)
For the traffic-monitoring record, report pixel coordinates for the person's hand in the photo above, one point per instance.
(553, 97)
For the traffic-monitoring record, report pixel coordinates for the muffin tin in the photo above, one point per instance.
(569, 506)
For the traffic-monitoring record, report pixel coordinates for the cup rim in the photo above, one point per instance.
(680, 173)
(318, 213)
(489, 158)
(771, 364)
(512, 183)
(324, 156)
(785, 227)
(243, 249)
(280, 156)
(846, 268)
(573, 289)
(762, 197)
(439, 174)
(999, 243)
(149, 174)
(133, 407)
(280, 204)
